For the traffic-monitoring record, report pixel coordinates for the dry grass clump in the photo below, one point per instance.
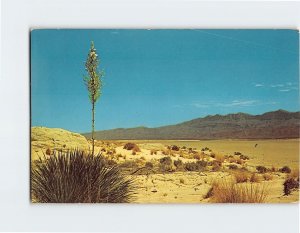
(220, 158)
(74, 177)
(227, 191)
(267, 176)
(240, 176)
(153, 152)
(254, 178)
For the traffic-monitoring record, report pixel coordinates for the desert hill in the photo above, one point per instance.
(270, 125)
(43, 138)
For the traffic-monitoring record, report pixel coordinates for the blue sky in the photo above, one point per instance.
(160, 77)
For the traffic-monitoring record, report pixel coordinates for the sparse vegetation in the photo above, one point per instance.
(267, 176)
(73, 177)
(227, 191)
(131, 146)
(232, 166)
(289, 185)
(240, 176)
(285, 169)
(93, 82)
(254, 178)
(195, 166)
(261, 169)
(166, 164)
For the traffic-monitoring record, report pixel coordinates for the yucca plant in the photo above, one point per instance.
(74, 177)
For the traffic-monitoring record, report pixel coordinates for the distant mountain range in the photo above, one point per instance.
(270, 125)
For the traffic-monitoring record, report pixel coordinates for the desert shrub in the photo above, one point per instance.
(254, 178)
(165, 152)
(231, 159)
(213, 155)
(285, 169)
(289, 185)
(182, 181)
(220, 158)
(261, 169)
(239, 161)
(133, 152)
(197, 156)
(216, 167)
(232, 166)
(273, 169)
(48, 151)
(240, 176)
(175, 148)
(294, 174)
(227, 191)
(184, 147)
(131, 146)
(237, 153)
(165, 164)
(267, 176)
(143, 158)
(244, 157)
(205, 149)
(74, 177)
(195, 166)
(178, 163)
(149, 165)
(244, 169)
(153, 152)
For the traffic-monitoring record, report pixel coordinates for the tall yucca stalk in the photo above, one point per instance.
(74, 177)
(93, 81)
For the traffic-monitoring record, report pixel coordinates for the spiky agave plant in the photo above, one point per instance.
(74, 177)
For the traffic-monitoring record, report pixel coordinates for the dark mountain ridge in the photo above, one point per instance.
(270, 125)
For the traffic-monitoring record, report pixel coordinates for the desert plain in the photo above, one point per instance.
(185, 171)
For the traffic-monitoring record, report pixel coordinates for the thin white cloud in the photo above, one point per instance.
(233, 103)
(199, 105)
(288, 86)
(284, 90)
(239, 103)
(277, 85)
(259, 85)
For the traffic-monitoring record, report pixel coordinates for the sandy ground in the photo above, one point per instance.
(191, 187)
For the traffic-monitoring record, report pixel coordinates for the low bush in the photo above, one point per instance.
(178, 163)
(131, 146)
(74, 177)
(244, 157)
(175, 148)
(289, 185)
(285, 169)
(195, 166)
(197, 156)
(261, 169)
(232, 166)
(149, 165)
(166, 164)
